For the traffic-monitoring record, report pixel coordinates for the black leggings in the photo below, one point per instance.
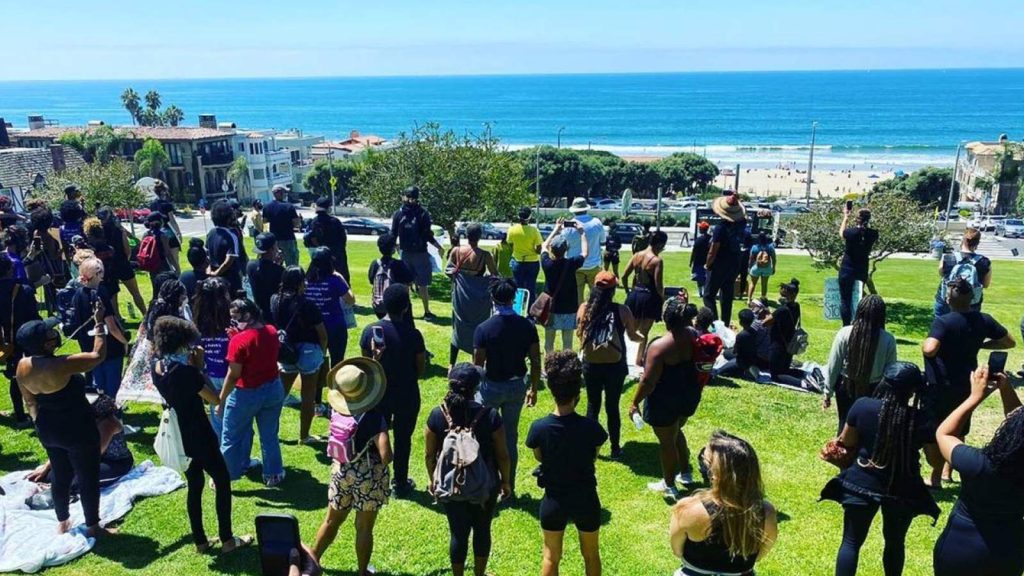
(16, 400)
(857, 520)
(453, 354)
(402, 421)
(846, 284)
(722, 280)
(466, 517)
(211, 463)
(780, 364)
(607, 378)
(76, 462)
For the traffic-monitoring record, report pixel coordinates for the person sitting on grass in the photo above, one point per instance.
(985, 531)
(728, 527)
(179, 377)
(566, 444)
(743, 362)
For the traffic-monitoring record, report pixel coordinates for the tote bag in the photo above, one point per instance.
(168, 445)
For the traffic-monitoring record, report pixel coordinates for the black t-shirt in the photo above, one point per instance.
(402, 344)
(568, 446)
(24, 310)
(298, 317)
(982, 264)
(859, 242)
(984, 492)
(961, 335)
(83, 306)
(701, 246)
(105, 253)
(507, 338)
(220, 243)
(71, 211)
(180, 386)
(786, 317)
(191, 278)
(330, 232)
(561, 274)
(370, 425)
(411, 225)
(280, 218)
(746, 348)
(612, 245)
(265, 280)
(486, 426)
(162, 206)
(864, 417)
(729, 236)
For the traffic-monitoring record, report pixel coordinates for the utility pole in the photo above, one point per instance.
(537, 178)
(952, 185)
(560, 137)
(810, 163)
(332, 181)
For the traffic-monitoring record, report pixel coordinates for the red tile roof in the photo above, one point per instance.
(133, 132)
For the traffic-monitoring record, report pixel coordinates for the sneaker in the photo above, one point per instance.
(403, 490)
(274, 481)
(616, 453)
(253, 463)
(666, 491)
(129, 430)
(312, 440)
(292, 401)
(429, 316)
(685, 478)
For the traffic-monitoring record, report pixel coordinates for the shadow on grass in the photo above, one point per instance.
(131, 551)
(911, 318)
(723, 382)
(17, 461)
(642, 458)
(300, 490)
(435, 572)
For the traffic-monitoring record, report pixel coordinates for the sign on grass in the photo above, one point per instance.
(833, 300)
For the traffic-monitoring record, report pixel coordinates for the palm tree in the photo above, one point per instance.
(130, 101)
(173, 115)
(153, 100)
(239, 173)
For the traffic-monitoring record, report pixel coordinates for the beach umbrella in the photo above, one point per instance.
(146, 185)
(873, 177)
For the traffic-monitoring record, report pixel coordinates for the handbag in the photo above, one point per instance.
(837, 454)
(797, 345)
(540, 311)
(168, 445)
(7, 344)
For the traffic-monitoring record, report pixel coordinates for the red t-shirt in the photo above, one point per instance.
(256, 350)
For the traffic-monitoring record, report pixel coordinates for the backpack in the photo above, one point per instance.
(66, 307)
(461, 475)
(603, 345)
(966, 269)
(706, 349)
(764, 258)
(341, 441)
(149, 254)
(381, 281)
(314, 235)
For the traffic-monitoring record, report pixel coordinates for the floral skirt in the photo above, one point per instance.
(363, 485)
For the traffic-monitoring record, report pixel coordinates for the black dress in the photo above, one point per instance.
(643, 300)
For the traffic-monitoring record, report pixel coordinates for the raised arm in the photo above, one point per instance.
(946, 435)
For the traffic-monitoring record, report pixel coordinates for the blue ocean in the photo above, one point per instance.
(902, 119)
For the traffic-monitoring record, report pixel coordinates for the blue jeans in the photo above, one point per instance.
(525, 275)
(311, 356)
(507, 398)
(216, 421)
(289, 251)
(107, 376)
(263, 405)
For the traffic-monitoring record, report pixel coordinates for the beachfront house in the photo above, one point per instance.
(989, 173)
(22, 170)
(354, 144)
(275, 158)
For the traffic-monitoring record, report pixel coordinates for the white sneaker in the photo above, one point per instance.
(669, 492)
(685, 478)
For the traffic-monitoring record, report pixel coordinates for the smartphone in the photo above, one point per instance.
(378, 337)
(278, 535)
(996, 363)
(569, 224)
(849, 204)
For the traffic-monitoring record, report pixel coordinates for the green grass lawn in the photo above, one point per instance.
(786, 428)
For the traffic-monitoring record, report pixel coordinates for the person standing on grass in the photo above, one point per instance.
(326, 231)
(54, 391)
(950, 355)
(501, 346)
(155, 228)
(179, 377)
(601, 326)
(211, 306)
(560, 284)
(612, 246)
(283, 220)
(647, 295)
(122, 269)
(359, 473)
(526, 241)
(305, 331)
(723, 261)
(163, 206)
(107, 375)
(985, 529)
(460, 410)
(762, 264)
(590, 227)
(860, 353)
(566, 446)
(225, 248)
(252, 392)
(17, 307)
(885, 433)
(967, 264)
(386, 271)
(72, 214)
(411, 225)
(670, 393)
(200, 262)
(327, 288)
(399, 347)
(728, 527)
(265, 272)
(466, 267)
(699, 256)
(859, 241)
(502, 254)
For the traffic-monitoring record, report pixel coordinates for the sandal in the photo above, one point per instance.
(235, 543)
(206, 546)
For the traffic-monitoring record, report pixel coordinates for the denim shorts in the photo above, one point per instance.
(311, 356)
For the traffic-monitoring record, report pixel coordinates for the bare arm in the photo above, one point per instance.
(109, 427)
(321, 334)
(234, 373)
(226, 265)
(930, 348)
(771, 530)
(946, 435)
(480, 357)
(502, 457)
(384, 447)
(844, 223)
(1004, 343)
(712, 255)
(849, 437)
(546, 246)
(629, 272)
(421, 364)
(585, 244)
(659, 282)
(431, 448)
(653, 366)
(492, 268)
(531, 394)
(629, 322)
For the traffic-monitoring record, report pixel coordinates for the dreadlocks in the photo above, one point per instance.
(1006, 450)
(894, 444)
(864, 335)
(598, 308)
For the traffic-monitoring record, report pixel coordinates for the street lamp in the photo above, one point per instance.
(332, 181)
(560, 136)
(810, 162)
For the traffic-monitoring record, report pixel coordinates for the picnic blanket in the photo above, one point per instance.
(28, 538)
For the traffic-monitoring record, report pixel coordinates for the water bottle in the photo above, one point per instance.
(638, 421)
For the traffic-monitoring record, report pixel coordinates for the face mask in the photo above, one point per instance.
(239, 325)
(176, 358)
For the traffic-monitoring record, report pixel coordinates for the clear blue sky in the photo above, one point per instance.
(62, 39)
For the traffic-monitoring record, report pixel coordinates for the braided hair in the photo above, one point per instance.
(599, 306)
(461, 388)
(863, 344)
(895, 449)
(167, 303)
(1006, 450)
(678, 314)
(212, 307)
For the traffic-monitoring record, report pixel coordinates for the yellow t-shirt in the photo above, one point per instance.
(525, 239)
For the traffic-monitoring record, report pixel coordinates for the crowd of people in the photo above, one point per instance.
(224, 344)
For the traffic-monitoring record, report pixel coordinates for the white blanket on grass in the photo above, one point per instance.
(29, 539)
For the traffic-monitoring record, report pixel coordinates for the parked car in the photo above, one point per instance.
(490, 231)
(365, 226)
(1010, 228)
(606, 204)
(625, 232)
(138, 214)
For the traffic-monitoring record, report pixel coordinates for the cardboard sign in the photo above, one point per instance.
(833, 301)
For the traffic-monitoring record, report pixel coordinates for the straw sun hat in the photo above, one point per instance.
(356, 386)
(729, 208)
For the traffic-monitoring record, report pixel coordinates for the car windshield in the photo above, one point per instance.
(1015, 222)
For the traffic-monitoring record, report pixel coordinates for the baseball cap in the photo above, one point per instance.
(903, 376)
(465, 373)
(606, 279)
(32, 335)
(323, 203)
(264, 242)
(279, 189)
(411, 192)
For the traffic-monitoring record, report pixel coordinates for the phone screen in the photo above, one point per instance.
(849, 204)
(278, 534)
(996, 363)
(378, 336)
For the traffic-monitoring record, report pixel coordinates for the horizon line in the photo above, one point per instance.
(522, 74)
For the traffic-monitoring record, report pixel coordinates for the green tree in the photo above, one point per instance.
(239, 174)
(460, 177)
(153, 100)
(318, 179)
(902, 227)
(130, 101)
(173, 115)
(928, 186)
(99, 144)
(685, 172)
(151, 159)
(111, 185)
